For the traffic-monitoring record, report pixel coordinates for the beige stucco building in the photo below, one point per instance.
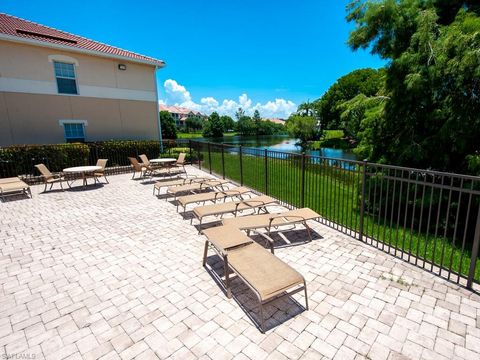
(57, 87)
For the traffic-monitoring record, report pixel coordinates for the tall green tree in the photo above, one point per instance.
(432, 79)
(169, 130)
(303, 128)
(194, 123)
(213, 127)
(228, 123)
(363, 81)
(246, 126)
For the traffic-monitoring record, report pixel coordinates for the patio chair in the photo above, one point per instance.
(176, 182)
(145, 162)
(213, 196)
(269, 221)
(259, 203)
(180, 163)
(49, 177)
(137, 167)
(266, 275)
(99, 173)
(13, 186)
(196, 187)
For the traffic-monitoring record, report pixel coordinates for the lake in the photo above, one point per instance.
(282, 143)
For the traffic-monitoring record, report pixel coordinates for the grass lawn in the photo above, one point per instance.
(196, 135)
(333, 193)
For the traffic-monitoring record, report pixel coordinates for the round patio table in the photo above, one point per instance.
(163, 160)
(83, 170)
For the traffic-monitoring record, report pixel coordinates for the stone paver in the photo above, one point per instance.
(113, 272)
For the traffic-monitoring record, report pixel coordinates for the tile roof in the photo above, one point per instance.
(20, 28)
(179, 110)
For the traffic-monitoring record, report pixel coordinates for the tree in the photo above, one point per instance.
(364, 81)
(306, 109)
(303, 128)
(194, 123)
(246, 126)
(431, 80)
(169, 130)
(213, 126)
(239, 113)
(228, 123)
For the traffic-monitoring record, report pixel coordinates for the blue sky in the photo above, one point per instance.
(269, 55)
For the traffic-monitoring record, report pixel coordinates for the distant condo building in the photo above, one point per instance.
(277, 121)
(181, 114)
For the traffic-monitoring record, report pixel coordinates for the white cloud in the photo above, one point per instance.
(176, 94)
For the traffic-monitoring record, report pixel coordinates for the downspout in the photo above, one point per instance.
(159, 123)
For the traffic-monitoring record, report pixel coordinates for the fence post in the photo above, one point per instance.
(473, 258)
(362, 203)
(200, 155)
(241, 166)
(190, 150)
(302, 189)
(223, 161)
(266, 171)
(209, 158)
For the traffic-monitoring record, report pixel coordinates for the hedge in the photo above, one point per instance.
(20, 160)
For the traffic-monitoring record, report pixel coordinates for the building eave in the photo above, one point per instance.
(157, 63)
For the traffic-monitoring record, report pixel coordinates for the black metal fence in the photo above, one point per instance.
(21, 160)
(428, 218)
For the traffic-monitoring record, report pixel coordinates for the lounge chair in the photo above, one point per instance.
(145, 170)
(266, 275)
(196, 187)
(99, 173)
(180, 163)
(233, 207)
(176, 182)
(145, 162)
(212, 196)
(13, 186)
(50, 178)
(269, 221)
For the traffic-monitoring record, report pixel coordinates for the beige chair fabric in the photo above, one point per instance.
(266, 275)
(211, 196)
(195, 187)
(13, 186)
(234, 207)
(49, 177)
(176, 182)
(101, 173)
(180, 163)
(145, 161)
(269, 221)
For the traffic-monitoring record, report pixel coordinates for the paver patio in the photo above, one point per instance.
(114, 272)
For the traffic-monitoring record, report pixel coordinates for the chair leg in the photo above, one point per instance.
(106, 179)
(45, 189)
(205, 252)
(227, 276)
(262, 318)
(61, 185)
(306, 297)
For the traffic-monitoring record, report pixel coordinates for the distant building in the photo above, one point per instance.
(277, 121)
(181, 114)
(59, 87)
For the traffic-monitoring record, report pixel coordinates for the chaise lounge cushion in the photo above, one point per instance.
(264, 272)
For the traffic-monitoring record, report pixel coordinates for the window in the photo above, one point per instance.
(74, 132)
(65, 74)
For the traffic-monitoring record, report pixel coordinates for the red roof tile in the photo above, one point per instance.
(14, 26)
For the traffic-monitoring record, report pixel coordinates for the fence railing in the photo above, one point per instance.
(428, 218)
